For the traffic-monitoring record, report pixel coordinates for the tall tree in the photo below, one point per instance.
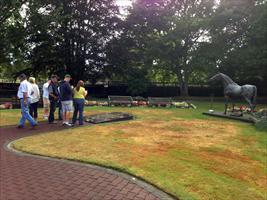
(12, 38)
(171, 35)
(239, 38)
(71, 36)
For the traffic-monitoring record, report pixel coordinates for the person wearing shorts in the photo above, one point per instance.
(65, 92)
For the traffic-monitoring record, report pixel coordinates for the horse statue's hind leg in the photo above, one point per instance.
(250, 104)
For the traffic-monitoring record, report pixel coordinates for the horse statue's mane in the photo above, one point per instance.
(224, 78)
(227, 78)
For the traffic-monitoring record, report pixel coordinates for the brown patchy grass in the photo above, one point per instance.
(199, 158)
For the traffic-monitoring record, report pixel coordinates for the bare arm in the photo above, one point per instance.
(85, 93)
(38, 92)
(25, 96)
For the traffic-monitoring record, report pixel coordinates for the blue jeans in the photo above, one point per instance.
(25, 113)
(78, 107)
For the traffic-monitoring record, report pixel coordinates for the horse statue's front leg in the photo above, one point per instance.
(226, 105)
(233, 108)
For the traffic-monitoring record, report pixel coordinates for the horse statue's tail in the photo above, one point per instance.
(254, 97)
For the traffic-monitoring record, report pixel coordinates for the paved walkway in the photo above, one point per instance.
(26, 177)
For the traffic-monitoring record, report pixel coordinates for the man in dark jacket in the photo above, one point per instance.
(65, 91)
(53, 98)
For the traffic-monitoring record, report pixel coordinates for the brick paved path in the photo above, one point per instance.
(24, 177)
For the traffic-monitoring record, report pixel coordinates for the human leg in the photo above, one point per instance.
(22, 119)
(60, 114)
(32, 109)
(67, 107)
(52, 111)
(25, 113)
(35, 111)
(81, 108)
(74, 118)
(46, 105)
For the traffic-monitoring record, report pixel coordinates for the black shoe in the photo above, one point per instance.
(35, 125)
(20, 126)
(52, 122)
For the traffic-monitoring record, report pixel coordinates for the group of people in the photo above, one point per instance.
(68, 99)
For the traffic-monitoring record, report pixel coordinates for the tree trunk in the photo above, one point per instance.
(182, 82)
(183, 88)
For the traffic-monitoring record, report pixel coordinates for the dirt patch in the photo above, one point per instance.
(236, 166)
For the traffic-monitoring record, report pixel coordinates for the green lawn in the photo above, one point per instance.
(185, 153)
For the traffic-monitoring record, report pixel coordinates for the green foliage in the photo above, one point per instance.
(71, 36)
(168, 34)
(137, 82)
(239, 39)
(160, 40)
(12, 39)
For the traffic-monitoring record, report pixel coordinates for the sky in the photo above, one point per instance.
(124, 2)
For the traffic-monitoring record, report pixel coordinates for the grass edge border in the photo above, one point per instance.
(151, 187)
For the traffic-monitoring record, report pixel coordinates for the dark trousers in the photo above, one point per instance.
(33, 110)
(78, 107)
(53, 105)
(59, 110)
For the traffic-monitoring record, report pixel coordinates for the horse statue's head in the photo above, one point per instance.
(216, 77)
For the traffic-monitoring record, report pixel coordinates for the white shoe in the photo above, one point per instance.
(69, 124)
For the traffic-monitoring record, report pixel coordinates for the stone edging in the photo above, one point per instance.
(147, 186)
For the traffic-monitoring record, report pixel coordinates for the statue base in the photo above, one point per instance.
(230, 115)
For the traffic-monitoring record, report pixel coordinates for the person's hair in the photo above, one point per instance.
(53, 76)
(32, 80)
(79, 84)
(22, 76)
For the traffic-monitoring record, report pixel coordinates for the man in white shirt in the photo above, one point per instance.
(46, 101)
(24, 93)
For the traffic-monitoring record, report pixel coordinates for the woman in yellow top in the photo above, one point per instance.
(79, 99)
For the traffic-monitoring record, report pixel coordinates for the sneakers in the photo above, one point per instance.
(67, 124)
(33, 126)
(20, 126)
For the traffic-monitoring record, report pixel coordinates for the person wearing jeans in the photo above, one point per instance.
(79, 99)
(24, 92)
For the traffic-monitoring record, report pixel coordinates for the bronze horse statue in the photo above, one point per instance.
(233, 91)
